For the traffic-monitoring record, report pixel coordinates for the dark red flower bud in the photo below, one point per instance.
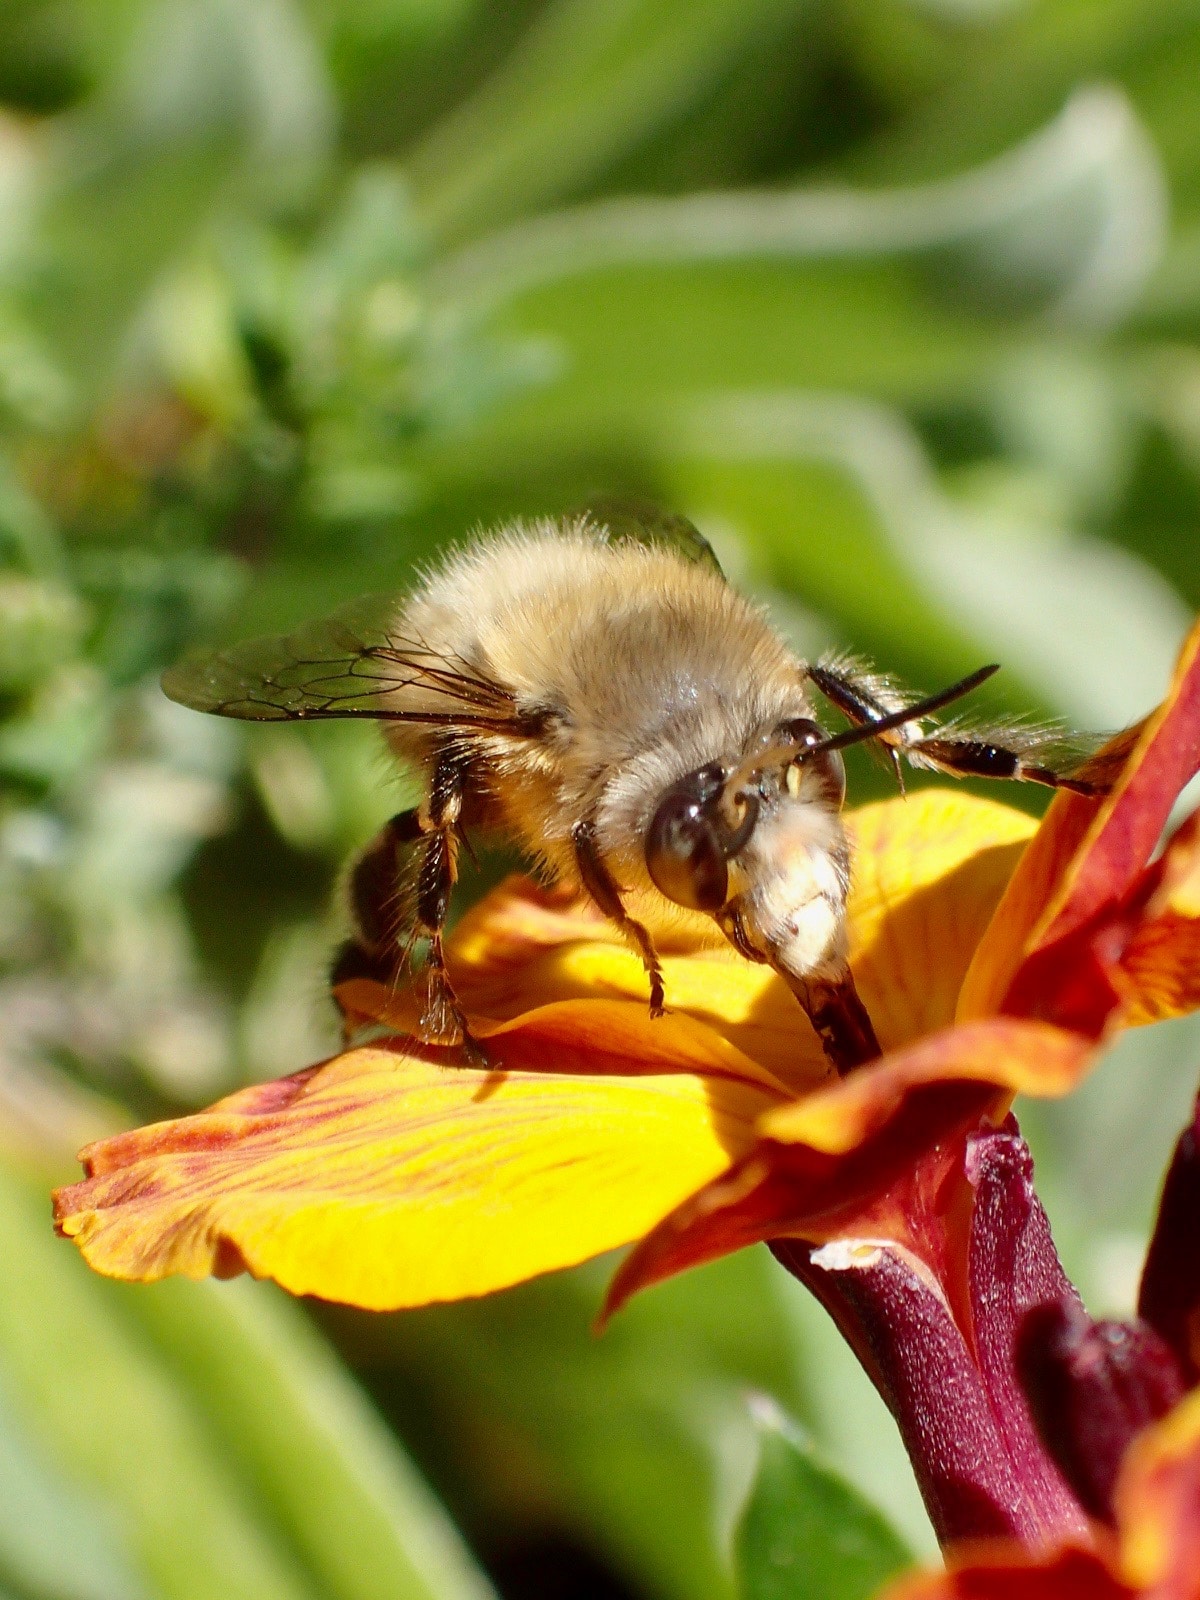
(1091, 1387)
(1169, 1299)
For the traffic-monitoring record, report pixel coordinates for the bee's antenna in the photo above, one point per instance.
(897, 719)
(787, 751)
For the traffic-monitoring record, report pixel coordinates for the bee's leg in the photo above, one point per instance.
(858, 698)
(863, 698)
(986, 758)
(606, 892)
(444, 1017)
(389, 918)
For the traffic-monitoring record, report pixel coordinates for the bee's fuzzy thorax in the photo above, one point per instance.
(646, 667)
(642, 664)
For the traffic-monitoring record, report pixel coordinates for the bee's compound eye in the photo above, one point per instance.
(829, 764)
(684, 853)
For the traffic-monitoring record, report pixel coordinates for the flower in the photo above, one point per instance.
(384, 1179)
(995, 957)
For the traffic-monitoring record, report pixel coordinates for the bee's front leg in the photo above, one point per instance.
(606, 892)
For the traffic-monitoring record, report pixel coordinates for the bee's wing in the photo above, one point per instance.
(352, 664)
(649, 524)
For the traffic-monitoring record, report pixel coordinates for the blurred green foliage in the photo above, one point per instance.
(898, 299)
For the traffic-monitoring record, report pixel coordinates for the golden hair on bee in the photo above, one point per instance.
(596, 692)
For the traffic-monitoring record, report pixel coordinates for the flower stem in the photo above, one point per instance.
(933, 1307)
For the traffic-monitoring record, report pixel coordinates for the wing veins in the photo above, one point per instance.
(346, 667)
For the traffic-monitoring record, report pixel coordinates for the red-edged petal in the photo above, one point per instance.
(1158, 1507)
(1038, 957)
(391, 1177)
(1160, 965)
(824, 1160)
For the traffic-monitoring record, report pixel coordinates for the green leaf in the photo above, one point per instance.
(55, 1542)
(632, 336)
(195, 97)
(106, 1415)
(805, 1531)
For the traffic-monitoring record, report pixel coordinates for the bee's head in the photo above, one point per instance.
(708, 817)
(773, 818)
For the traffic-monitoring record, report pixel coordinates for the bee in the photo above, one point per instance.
(595, 692)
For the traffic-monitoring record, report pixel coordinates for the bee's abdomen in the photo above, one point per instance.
(355, 960)
(379, 906)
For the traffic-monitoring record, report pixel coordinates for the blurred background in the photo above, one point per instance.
(897, 299)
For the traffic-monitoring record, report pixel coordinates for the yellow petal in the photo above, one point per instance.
(1158, 1504)
(928, 873)
(1161, 963)
(524, 946)
(389, 1179)
(745, 1003)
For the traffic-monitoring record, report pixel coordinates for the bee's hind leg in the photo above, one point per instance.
(399, 892)
(861, 697)
(606, 892)
(1023, 755)
(443, 1018)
